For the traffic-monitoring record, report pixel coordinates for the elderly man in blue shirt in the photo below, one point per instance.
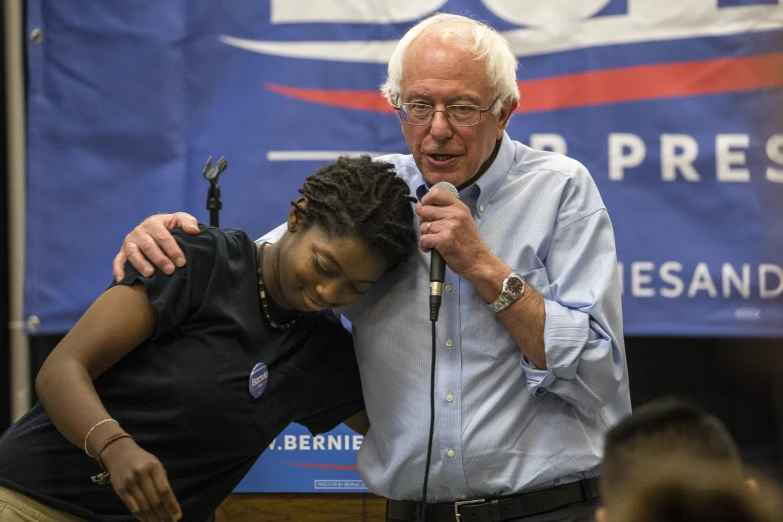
(531, 366)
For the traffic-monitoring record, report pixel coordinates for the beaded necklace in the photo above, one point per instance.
(262, 294)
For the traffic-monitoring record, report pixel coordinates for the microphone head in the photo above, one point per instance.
(448, 187)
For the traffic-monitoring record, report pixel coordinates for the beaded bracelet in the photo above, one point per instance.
(108, 442)
(88, 433)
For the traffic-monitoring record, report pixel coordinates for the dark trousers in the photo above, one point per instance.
(578, 512)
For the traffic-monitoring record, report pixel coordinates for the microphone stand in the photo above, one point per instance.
(214, 200)
(214, 205)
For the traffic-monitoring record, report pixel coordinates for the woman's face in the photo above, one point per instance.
(318, 272)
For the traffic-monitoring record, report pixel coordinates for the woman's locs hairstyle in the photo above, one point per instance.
(363, 199)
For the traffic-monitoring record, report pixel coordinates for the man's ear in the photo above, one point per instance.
(601, 515)
(504, 116)
(296, 215)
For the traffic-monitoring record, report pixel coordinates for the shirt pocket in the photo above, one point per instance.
(285, 398)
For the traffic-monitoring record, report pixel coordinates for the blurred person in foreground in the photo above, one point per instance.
(661, 436)
(687, 489)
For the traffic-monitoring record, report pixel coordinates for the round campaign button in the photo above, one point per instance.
(258, 379)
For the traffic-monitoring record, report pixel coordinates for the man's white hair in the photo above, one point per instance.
(482, 40)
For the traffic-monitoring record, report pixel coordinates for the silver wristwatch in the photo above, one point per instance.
(513, 289)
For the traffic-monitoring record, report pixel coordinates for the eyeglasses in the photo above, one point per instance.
(458, 115)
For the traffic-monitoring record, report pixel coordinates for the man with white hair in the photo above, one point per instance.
(531, 366)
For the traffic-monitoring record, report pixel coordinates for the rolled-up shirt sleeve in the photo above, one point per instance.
(583, 326)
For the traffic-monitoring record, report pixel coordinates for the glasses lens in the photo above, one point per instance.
(416, 113)
(463, 114)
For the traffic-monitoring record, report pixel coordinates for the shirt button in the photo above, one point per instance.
(481, 208)
(450, 453)
(463, 497)
(36, 36)
(449, 343)
(449, 398)
(448, 288)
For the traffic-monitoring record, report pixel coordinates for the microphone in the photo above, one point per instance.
(437, 265)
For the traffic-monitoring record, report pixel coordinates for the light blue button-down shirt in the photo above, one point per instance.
(501, 425)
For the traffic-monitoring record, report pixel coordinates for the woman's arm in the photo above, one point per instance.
(116, 323)
(359, 423)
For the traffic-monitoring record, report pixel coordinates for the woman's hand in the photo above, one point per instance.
(140, 480)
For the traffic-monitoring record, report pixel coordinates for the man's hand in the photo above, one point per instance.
(152, 241)
(140, 480)
(447, 226)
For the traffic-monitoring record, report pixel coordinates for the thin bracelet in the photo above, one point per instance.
(107, 443)
(88, 434)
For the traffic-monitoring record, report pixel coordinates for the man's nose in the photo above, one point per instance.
(440, 129)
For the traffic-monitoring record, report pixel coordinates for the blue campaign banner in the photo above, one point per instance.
(675, 106)
(299, 461)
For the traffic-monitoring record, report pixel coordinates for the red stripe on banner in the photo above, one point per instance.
(651, 82)
(318, 466)
(358, 100)
(637, 83)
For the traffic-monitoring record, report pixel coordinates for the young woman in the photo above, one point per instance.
(170, 387)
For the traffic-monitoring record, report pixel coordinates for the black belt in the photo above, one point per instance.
(497, 509)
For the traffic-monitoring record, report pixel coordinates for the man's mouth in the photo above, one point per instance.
(441, 157)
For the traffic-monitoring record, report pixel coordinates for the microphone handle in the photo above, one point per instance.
(437, 264)
(437, 274)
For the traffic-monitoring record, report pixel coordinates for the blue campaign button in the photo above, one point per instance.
(258, 379)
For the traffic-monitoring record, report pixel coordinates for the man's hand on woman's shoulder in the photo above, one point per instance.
(151, 241)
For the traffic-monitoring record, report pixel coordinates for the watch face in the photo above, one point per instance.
(515, 285)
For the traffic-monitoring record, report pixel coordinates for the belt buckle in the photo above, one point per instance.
(459, 503)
